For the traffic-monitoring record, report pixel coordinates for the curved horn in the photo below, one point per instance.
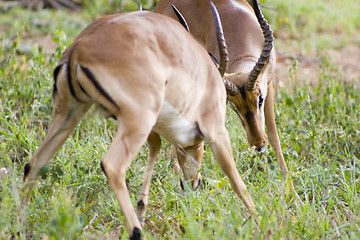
(231, 88)
(221, 40)
(180, 17)
(265, 54)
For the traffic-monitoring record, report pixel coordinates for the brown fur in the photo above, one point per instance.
(139, 66)
(245, 42)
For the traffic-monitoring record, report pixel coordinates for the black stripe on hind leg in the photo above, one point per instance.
(98, 86)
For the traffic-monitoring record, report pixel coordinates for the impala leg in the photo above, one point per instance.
(154, 142)
(272, 131)
(173, 155)
(190, 159)
(274, 137)
(221, 149)
(64, 121)
(127, 142)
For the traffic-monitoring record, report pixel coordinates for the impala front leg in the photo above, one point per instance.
(272, 131)
(221, 149)
(274, 137)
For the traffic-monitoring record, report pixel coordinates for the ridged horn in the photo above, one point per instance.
(231, 88)
(265, 54)
(224, 59)
(180, 17)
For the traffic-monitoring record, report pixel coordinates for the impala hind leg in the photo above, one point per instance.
(190, 159)
(131, 135)
(63, 123)
(154, 143)
(221, 149)
(274, 138)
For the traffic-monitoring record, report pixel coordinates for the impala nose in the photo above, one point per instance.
(195, 183)
(261, 148)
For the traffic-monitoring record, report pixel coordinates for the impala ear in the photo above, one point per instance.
(180, 17)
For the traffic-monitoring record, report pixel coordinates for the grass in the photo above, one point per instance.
(318, 126)
(312, 27)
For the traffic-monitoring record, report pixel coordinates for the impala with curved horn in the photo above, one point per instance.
(146, 71)
(251, 67)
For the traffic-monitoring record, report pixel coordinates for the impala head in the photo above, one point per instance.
(249, 106)
(248, 95)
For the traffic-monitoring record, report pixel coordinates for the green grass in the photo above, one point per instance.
(313, 27)
(318, 124)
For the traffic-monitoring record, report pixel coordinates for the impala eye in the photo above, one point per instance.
(261, 100)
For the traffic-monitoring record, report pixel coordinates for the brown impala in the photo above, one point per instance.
(146, 71)
(251, 67)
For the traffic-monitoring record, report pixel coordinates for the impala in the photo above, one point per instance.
(251, 67)
(146, 71)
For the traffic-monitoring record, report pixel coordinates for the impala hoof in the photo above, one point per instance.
(136, 234)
